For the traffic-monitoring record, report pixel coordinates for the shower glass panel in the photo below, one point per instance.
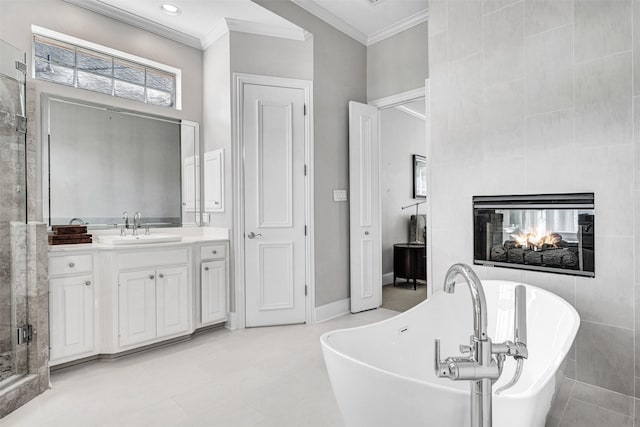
(13, 215)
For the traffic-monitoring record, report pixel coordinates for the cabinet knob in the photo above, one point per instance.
(215, 252)
(366, 233)
(88, 283)
(161, 275)
(152, 277)
(206, 269)
(71, 265)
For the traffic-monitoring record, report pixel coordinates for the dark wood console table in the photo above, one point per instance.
(409, 262)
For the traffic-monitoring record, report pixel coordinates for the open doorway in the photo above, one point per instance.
(403, 208)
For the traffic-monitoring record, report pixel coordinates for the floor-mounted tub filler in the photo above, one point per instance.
(383, 374)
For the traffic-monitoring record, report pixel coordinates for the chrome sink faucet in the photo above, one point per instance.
(480, 367)
(123, 228)
(137, 218)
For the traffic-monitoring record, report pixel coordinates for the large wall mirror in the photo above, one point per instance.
(99, 162)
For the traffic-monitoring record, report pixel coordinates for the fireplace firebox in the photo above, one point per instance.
(544, 232)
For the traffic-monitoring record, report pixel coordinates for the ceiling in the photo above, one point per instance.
(202, 22)
(368, 21)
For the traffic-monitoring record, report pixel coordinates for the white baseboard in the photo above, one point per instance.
(333, 310)
(232, 321)
(387, 278)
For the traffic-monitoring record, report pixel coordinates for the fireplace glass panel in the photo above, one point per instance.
(553, 233)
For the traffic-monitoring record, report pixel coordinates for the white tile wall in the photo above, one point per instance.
(543, 105)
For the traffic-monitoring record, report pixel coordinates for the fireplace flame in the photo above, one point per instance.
(537, 238)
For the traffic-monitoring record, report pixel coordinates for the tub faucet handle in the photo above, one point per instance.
(464, 349)
(441, 368)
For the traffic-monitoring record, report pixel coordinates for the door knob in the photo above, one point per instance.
(88, 283)
(206, 269)
(253, 235)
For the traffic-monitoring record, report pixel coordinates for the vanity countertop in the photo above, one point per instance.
(189, 236)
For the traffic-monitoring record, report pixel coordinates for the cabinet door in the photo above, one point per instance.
(213, 282)
(213, 181)
(71, 316)
(173, 301)
(137, 306)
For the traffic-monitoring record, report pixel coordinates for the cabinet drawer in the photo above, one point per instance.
(213, 252)
(150, 258)
(70, 264)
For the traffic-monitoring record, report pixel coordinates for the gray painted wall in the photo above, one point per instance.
(339, 76)
(401, 136)
(548, 86)
(216, 124)
(398, 64)
(271, 56)
(16, 18)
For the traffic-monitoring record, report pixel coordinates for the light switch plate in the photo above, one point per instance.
(339, 195)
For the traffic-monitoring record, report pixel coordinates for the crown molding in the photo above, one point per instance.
(410, 112)
(265, 29)
(399, 98)
(221, 28)
(398, 27)
(137, 21)
(240, 26)
(331, 19)
(216, 33)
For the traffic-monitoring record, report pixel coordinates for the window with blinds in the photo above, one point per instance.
(72, 65)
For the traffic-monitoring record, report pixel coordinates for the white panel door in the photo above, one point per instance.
(273, 134)
(137, 305)
(71, 316)
(172, 299)
(364, 186)
(213, 280)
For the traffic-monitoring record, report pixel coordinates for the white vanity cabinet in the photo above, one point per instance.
(71, 307)
(154, 291)
(213, 284)
(153, 304)
(137, 307)
(110, 300)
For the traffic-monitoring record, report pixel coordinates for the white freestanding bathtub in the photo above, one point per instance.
(383, 374)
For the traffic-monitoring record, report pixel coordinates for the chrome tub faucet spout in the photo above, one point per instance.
(480, 367)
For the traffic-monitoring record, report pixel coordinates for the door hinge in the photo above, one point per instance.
(25, 334)
(305, 109)
(305, 230)
(21, 124)
(305, 170)
(306, 290)
(21, 66)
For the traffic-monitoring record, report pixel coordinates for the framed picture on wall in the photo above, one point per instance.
(419, 177)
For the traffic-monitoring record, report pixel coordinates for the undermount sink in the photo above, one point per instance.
(139, 239)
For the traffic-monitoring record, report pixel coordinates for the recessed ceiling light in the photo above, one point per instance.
(170, 9)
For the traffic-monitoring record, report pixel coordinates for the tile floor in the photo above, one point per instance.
(255, 377)
(582, 405)
(402, 296)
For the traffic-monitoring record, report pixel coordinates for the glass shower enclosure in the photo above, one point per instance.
(13, 216)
